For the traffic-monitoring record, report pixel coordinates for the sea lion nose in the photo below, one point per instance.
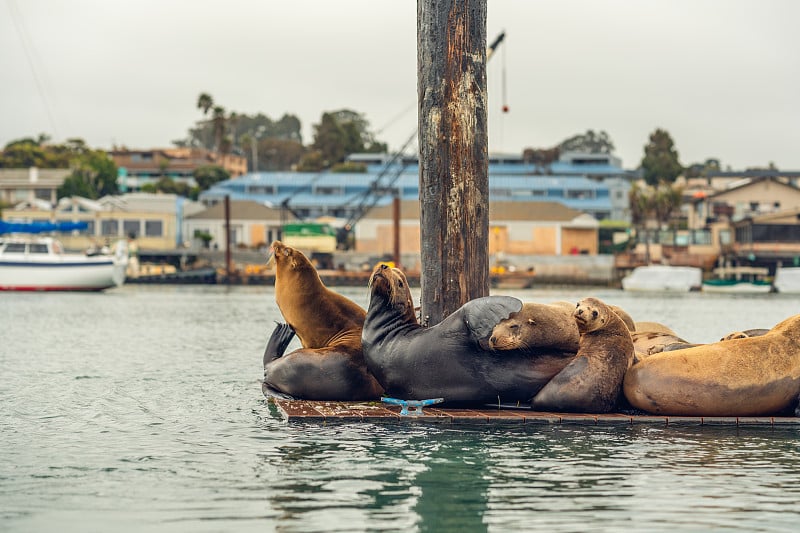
(492, 339)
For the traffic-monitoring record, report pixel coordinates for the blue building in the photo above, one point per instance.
(591, 183)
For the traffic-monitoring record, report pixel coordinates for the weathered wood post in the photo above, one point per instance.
(453, 158)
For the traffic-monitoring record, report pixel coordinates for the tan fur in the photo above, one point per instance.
(537, 326)
(739, 377)
(319, 316)
(591, 382)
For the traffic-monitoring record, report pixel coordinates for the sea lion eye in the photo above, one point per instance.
(384, 266)
(594, 313)
(514, 327)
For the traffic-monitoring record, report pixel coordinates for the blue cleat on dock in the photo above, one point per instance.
(416, 405)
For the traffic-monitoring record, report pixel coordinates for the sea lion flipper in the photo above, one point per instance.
(483, 314)
(281, 336)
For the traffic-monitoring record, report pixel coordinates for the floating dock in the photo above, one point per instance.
(329, 412)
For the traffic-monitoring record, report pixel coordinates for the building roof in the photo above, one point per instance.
(744, 183)
(241, 210)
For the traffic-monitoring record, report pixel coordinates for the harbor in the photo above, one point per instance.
(141, 407)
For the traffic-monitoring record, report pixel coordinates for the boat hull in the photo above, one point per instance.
(663, 278)
(62, 276)
(742, 287)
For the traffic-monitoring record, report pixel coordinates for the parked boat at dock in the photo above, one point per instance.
(659, 278)
(787, 280)
(40, 264)
(741, 280)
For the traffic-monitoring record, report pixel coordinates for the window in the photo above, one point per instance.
(109, 227)
(43, 194)
(15, 248)
(153, 228)
(37, 248)
(131, 226)
(329, 190)
(262, 189)
(580, 194)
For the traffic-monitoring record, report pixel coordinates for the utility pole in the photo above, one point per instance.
(453, 145)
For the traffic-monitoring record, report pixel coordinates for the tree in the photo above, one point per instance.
(653, 203)
(589, 142)
(94, 175)
(205, 102)
(343, 132)
(660, 162)
(206, 176)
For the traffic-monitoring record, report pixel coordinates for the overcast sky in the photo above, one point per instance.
(721, 76)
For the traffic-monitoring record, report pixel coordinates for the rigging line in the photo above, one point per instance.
(16, 17)
(397, 117)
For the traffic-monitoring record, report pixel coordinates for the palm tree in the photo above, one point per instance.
(218, 121)
(205, 102)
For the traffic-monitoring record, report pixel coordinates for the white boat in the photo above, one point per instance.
(660, 278)
(739, 280)
(787, 280)
(40, 264)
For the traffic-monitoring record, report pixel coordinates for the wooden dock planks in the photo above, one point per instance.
(326, 412)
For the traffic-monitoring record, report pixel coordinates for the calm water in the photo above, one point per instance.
(141, 409)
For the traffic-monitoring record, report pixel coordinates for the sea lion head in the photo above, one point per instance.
(513, 332)
(285, 258)
(590, 314)
(392, 284)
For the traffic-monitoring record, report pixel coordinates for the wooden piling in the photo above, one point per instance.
(453, 158)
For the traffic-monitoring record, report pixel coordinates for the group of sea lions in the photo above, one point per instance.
(557, 357)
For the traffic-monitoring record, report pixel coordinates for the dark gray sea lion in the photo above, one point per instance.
(447, 360)
(330, 365)
(592, 381)
(740, 377)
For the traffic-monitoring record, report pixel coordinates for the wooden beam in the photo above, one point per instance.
(453, 145)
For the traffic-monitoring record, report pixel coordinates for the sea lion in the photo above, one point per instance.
(655, 327)
(591, 382)
(540, 326)
(739, 377)
(446, 360)
(746, 334)
(535, 327)
(330, 365)
(646, 343)
(624, 316)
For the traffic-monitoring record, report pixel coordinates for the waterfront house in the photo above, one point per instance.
(156, 220)
(139, 167)
(31, 184)
(252, 225)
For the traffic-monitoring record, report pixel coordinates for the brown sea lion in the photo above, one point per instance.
(654, 327)
(626, 318)
(591, 382)
(646, 343)
(746, 334)
(330, 365)
(740, 377)
(447, 360)
(536, 327)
